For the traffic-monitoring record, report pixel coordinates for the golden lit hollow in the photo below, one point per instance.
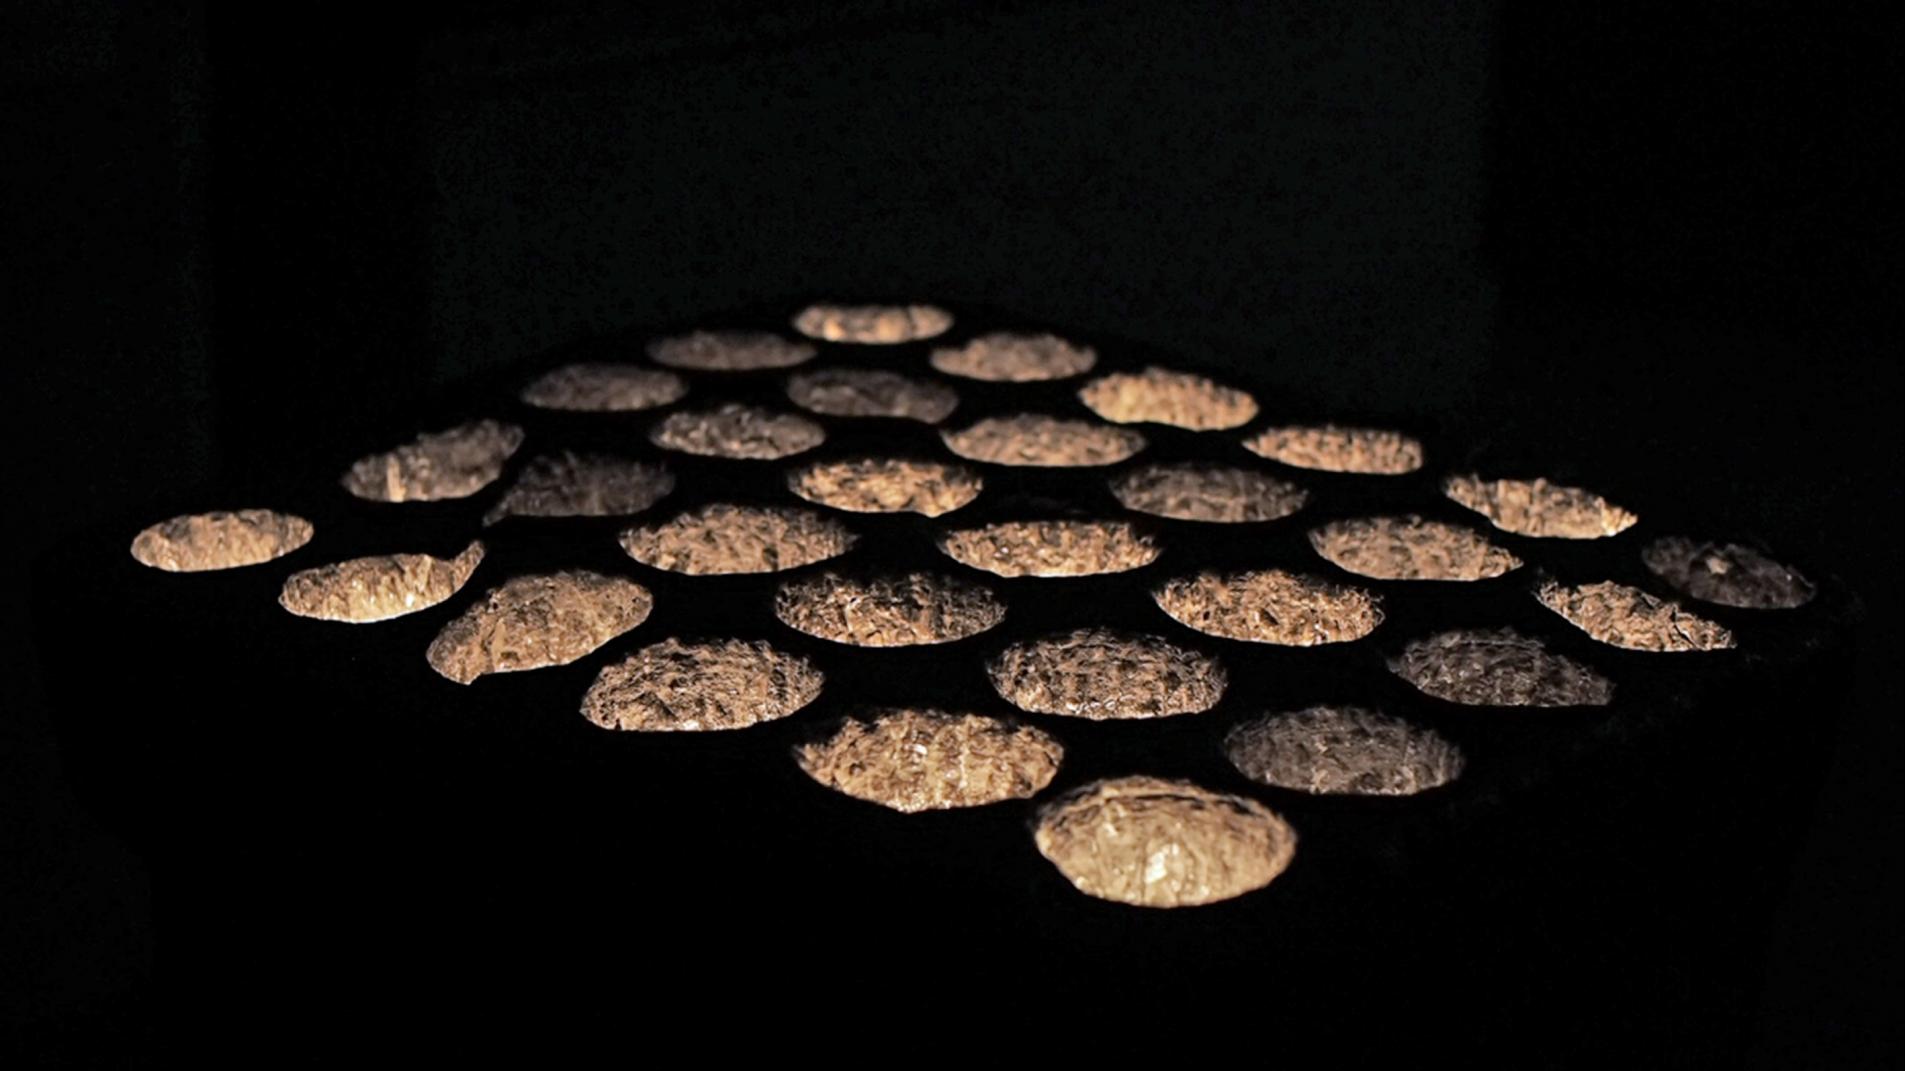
(722, 538)
(1102, 674)
(929, 760)
(887, 485)
(1726, 574)
(1498, 668)
(1270, 606)
(455, 463)
(536, 621)
(1162, 396)
(222, 539)
(1329, 448)
(1031, 439)
(674, 686)
(378, 588)
(1628, 617)
(865, 392)
(582, 485)
(604, 388)
(729, 351)
(1152, 842)
(894, 611)
(872, 324)
(1410, 548)
(1051, 548)
(1342, 751)
(1193, 492)
(1006, 357)
(737, 431)
(1539, 508)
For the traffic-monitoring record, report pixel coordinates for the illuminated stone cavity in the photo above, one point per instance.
(887, 485)
(896, 611)
(535, 621)
(1007, 357)
(1342, 751)
(1539, 508)
(1410, 548)
(582, 485)
(1628, 617)
(722, 538)
(604, 388)
(1270, 606)
(1726, 574)
(929, 760)
(222, 539)
(1152, 842)
(1498, 668)
(674, 686)
(737, 431)
(363, 590)
(729, 351)
(872, 324)
(1330, 448)
(865, 392)
(1032, 439)
(1162, 396)
(1192, 492)
(1051, 548)
(455, 463)
(1102, 674)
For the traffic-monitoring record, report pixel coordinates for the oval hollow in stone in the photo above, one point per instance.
(1051, 548)
(722, 538)
(1034, 440)
(729, 351)
(887, 485)
(1410, 548)
(1102, 674)
(1539, 508)
(866, 392)
(1008, 357)
(530, 622)
(1162, 396)
(872, 324)
(1270, 606)
(1193, 492)
(675, 686)
(363, 590)
(1498, 668)
(604, 388)
(1342, 751)
(737, 431)
(1330, 448)
(1152, 842)
(1622, 616)
(455, 463)
(929, 760)
(895, 611)
(582, 485)
(1726, 574)
(221, 539)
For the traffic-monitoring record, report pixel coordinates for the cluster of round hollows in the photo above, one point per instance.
(1137, 839)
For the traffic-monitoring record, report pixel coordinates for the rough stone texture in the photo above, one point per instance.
(536, 621)
(1344, 751)
(1032, 439)
(222, 539)
(898, 611)
(582, 485)
(697, 687)
(1410, 548)
(1539, 508)
(1151, 842)
(1162, 396)
(1193, 492)
(1727, 574)
(1101, 674)
(379, 588)
(604, 388)
(729, 351)
(1330, 448)
(455, 463)
(872, 324)
(866, 392)
(1498, 668)
(928, 760)
(1270, 606)
(721, 538)
(1051, 548)
(887, 485)
(737, 431)
(1006, 357)
(1623, 616)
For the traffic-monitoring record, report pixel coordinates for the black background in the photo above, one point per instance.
(1642, 235)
